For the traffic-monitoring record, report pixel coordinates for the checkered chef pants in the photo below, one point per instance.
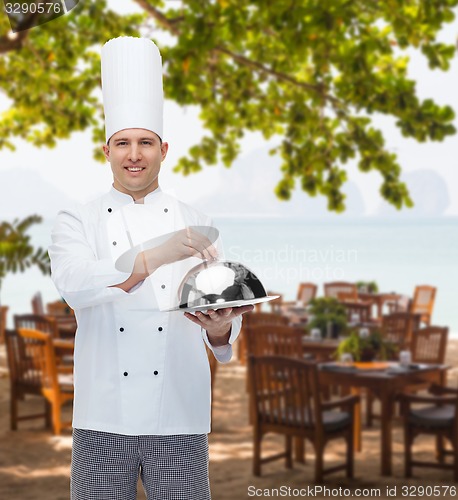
(106, 466)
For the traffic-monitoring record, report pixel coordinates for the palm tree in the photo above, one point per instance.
(16, 252)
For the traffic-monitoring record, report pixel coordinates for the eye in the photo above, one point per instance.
(121, 143)
(147, 143)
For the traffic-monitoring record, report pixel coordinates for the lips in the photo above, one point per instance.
(134, 169)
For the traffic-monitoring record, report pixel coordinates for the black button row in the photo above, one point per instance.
(155, 373)
(111, 210)
(159, 329)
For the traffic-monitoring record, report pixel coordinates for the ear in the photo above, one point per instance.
(164, 150)
(106, 151)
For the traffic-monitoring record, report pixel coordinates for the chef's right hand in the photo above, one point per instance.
(183, 244)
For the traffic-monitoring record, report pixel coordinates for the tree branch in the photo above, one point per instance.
(9, 43)
(170, 25)
(159, 16)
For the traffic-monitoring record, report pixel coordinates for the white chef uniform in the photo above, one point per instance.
(137, 370)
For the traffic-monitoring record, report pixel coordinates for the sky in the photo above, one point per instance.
(32, 175)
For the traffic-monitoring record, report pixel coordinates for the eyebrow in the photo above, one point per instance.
(141, 139)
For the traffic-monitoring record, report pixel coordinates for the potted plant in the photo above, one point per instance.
(328, 315)
(367, 286)
(366, 346)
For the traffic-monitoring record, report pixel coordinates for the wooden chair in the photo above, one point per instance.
(347, 291)
(253, 319)
(305, 293)
(24, 380)
(398, 328)
(423, 302)
(278, 340)
(37, 304)
(263, 318)
(287, 400)
(59, 309)
(46, 324)
(439, 418)
(56, 388)
(276, 304)
(3, 313)
(429, 345)
(37, 322)
(358, 312)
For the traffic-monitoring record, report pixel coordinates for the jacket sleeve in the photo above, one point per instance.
(224, 353)
(81, 278)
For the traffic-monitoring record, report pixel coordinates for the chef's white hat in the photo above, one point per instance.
(132, 85)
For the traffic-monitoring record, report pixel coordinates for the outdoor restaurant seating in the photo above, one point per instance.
(39, 363)
(273, 339)
(23, 379)
(276, 304)
(37, 322)
(305, 293)
(279, 340)
(423, 302)
(341, 290)
(296, 311)
(253, 319)
(440, 419)
(59, 311)
(429, 345)
(3, 313)
(398, 327)
(358, 312)
(287, 401)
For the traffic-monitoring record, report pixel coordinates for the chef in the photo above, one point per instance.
(142, 380)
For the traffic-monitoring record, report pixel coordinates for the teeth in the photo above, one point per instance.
(134, 169)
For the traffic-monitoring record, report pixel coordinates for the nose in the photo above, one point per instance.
(134, 153)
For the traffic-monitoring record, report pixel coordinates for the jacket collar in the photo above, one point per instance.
(124, 199)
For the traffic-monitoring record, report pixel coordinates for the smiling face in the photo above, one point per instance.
(135, 155)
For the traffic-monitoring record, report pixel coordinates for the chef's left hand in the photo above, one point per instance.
(218, 323)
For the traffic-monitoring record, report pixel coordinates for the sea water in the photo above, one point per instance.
(282, 252)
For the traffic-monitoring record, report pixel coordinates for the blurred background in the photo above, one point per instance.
(283, 241)
(320, 135)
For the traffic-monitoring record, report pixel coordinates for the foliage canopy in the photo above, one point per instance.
(16, 252)
(312, 72)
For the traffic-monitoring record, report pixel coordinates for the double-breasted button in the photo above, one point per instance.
(114, 243)
(160, 328)
(162, 286)
(125, 374)
(121, 329)
(156, 372)
(166, 210)
(110, 210)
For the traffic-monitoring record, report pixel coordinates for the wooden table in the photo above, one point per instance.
(322, 349)
(379, 300)
(64, 354)
(385, 384)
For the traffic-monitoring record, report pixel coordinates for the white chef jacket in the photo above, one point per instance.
(138, 370)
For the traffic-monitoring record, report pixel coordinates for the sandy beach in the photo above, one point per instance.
(35, 465)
